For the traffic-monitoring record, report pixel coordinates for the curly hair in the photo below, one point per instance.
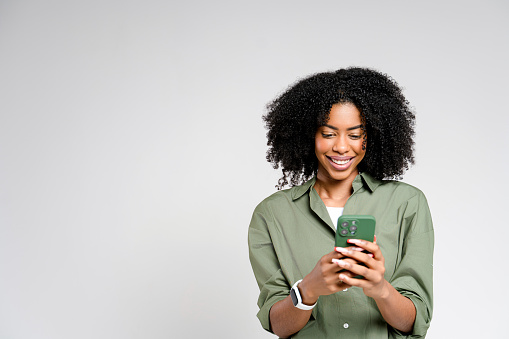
(293, 118)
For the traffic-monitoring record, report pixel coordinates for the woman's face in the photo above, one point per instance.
(339, 144)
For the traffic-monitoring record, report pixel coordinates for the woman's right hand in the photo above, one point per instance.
(285, 319)
(324, 278)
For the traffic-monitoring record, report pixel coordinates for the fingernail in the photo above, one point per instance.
(353, 241)
(370, 254)
(339, 262)
(374, 239)
(343, 250)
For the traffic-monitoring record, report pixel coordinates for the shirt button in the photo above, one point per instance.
(346, 289)
(345, 325)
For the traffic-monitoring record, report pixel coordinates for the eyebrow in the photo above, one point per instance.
(354, 127)
(348, 129)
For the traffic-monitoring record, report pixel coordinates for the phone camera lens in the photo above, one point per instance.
(354, 222)
(344, 224)
(353, 228)
(344, 232)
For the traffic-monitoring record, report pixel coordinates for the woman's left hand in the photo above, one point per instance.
(374, 284)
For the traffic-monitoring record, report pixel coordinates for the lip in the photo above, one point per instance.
(338, 166)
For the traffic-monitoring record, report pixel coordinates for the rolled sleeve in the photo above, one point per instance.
(271, 281)
(271, 292)
(413, 277)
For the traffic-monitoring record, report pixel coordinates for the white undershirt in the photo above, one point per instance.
(335, 213)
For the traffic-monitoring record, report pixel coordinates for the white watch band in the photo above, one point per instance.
(299, 304)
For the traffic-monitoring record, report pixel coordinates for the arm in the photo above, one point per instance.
(286, 319)
(397, 310)
(412, 278)
(277, 313)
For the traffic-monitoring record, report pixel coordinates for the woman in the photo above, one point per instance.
(339, 137)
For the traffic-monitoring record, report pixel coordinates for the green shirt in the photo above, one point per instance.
(291, 230)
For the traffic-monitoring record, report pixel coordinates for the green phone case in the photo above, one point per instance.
(355, 227)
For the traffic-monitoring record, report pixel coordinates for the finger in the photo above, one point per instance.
(329, 265)
(373, 274)
(350, 280)
(327, 259)
(333, 281)
(350, 252)
(344, 259)
(368, 246)
(343, 285)
(355, 269)
(337, 255)
(364, 244)
(353, 248)
(344, 274)
(340, 265)
(342, 251)
(365, 258)
(334, 255)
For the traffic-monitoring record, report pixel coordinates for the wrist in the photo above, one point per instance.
(385, 292)
(308, 297)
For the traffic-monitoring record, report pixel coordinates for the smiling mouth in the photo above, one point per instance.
(340, 162)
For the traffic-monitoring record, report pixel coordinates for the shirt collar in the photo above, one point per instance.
(305, 187)
(363, 179)
(370, 182)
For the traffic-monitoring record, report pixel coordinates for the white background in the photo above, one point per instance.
(132, 154)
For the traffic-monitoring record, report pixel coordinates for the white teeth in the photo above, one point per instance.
(340, 162)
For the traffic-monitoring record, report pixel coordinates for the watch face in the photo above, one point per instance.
(294, 297)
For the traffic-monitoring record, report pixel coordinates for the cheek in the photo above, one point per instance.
(361, 149)
(359, 146)
(321, 146)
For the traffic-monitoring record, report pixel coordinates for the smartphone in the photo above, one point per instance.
(355, 227)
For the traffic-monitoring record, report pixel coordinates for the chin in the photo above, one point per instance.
(342, 176)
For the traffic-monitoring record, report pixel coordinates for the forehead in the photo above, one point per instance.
(344, 115)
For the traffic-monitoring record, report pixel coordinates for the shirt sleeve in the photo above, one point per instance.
(413, 277)
(266, 267)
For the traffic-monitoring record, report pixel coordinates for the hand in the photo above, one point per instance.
(374, 284)
(324, 279)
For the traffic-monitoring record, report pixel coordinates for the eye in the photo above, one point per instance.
(327, 135)
(355, 136)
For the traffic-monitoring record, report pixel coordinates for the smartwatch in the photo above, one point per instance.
(297, 299)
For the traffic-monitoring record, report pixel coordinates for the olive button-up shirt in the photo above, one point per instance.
(291, 230)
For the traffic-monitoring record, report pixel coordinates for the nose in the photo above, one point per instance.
(341, 145)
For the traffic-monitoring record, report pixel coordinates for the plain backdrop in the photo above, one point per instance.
(132, 154)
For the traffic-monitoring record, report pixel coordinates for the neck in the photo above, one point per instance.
(334, 193)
